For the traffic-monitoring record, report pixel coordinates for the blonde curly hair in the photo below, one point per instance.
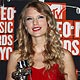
(53, 48)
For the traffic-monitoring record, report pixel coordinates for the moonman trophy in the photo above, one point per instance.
(23, 69)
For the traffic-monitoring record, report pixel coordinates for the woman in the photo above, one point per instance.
(39, 44)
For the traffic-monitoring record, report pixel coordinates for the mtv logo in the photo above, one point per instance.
(58, 9)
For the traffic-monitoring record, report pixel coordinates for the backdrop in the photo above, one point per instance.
(67, 14)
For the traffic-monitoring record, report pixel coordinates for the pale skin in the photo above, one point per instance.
(36, 19)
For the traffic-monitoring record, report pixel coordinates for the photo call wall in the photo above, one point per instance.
(67, 14)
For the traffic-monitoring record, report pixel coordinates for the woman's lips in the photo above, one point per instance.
(36, 28)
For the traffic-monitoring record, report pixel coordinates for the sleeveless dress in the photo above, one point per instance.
(41, 74)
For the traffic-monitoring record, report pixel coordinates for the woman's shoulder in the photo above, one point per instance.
(15, 55)
(12, 63)
(69, 66)
(67, 54)
(68, 58)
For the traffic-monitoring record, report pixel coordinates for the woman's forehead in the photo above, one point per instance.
(31, 10)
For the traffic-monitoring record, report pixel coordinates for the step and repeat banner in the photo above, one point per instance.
(69, 29)
(67, 14)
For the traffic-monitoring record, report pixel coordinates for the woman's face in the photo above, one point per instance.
(36, 23)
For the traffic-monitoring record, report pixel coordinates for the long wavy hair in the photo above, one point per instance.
(53, 48)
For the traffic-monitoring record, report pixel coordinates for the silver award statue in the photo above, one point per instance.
(23, 69)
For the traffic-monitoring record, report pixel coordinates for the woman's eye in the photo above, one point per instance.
(40, 17)
(28, 18)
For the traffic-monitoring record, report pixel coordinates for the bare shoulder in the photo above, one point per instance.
(14, 58)
(12, 63)
(69, 66)
(15, 55)
(68, 58)
(67, 55)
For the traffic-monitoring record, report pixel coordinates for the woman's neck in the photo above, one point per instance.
(39, 44)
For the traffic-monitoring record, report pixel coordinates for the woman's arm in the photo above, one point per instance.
(69, 66)
(11, 67)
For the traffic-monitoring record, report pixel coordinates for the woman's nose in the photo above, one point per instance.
(35, 21)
